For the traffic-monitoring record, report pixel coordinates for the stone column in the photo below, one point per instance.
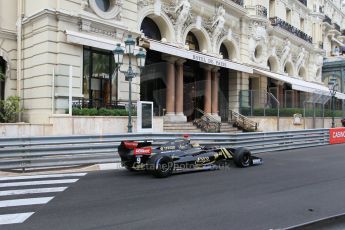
(170, 88)
(215, 93)
(238, 81)
(208, 89)
(179, 91)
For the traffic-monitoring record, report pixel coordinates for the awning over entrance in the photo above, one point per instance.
(197, 56)
(298, 84)
(89, 40)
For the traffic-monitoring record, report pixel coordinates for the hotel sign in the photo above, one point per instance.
(199, 57)
(209, 60)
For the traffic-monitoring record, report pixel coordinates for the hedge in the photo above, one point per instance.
(289, 112)
(100, 112)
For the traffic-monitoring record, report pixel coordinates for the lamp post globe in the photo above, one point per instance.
(333, 87)
(130, 44)
(118, 54)
(141, 57)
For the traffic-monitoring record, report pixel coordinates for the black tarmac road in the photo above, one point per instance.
(290, 188)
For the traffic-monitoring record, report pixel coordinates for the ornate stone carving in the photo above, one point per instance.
(114, 11)
(218, 23)
(285, 53)
(88, 27)
(144, 3)
(301, 58)
(84, 4)
(215, 27)
(273, 46)
(180, 14)
(258, 30)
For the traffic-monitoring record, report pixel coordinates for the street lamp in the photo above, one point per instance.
(333, 87)
(129, 74)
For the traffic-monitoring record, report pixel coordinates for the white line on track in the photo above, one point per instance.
(22, 202)
(32, 191)
(39, 182)
(14, 218)
(42, 176)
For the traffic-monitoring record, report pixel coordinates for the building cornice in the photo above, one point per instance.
(296, 40)
(232, 5)
(8, 34)
(76, 17)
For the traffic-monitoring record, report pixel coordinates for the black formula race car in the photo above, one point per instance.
(180, 156)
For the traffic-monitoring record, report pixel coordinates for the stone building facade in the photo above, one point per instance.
(200, 54)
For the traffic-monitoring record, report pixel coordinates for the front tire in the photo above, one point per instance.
(242, 157)
(161, 166)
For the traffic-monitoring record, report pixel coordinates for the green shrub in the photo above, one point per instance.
(9, 109)
(289, 112)
(100, 112)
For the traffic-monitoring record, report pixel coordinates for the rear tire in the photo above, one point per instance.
(161, 166)
(242, 157)
(129, 167)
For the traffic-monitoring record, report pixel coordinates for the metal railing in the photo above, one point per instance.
(336, 26)
(276, 21)
(207, 123)
(238, 2)
(242, 122)
(327, 20)
(36, 152)
(261, 11)
(304, 2)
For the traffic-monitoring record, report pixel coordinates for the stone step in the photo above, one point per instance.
(228, 128)
(180, 128)
(230, 131)
(179, 125)
(182, 131)
(185, 127)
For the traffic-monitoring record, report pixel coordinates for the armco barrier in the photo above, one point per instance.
(35, 152)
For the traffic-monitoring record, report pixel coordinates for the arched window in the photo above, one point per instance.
(192, 42)
(150, 29)
(269, 64)
(224, 51)
(288, 69)
(2, 78)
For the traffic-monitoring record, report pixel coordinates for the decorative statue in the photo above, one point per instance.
(273, 44)
(300, 59)
(285, 52)
(182, 12)
(218, 23)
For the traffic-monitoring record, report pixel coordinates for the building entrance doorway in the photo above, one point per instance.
(223, 95)
(2, 78)
(193, 89)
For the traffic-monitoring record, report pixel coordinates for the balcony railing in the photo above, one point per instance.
(336, 26)
(275, 21)
(327, 19)
(304, 2)
(239, 2)
(261, 11)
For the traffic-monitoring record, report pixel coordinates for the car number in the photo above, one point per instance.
(138, 160)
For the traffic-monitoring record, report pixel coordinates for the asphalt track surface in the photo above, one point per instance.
(290, 188)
